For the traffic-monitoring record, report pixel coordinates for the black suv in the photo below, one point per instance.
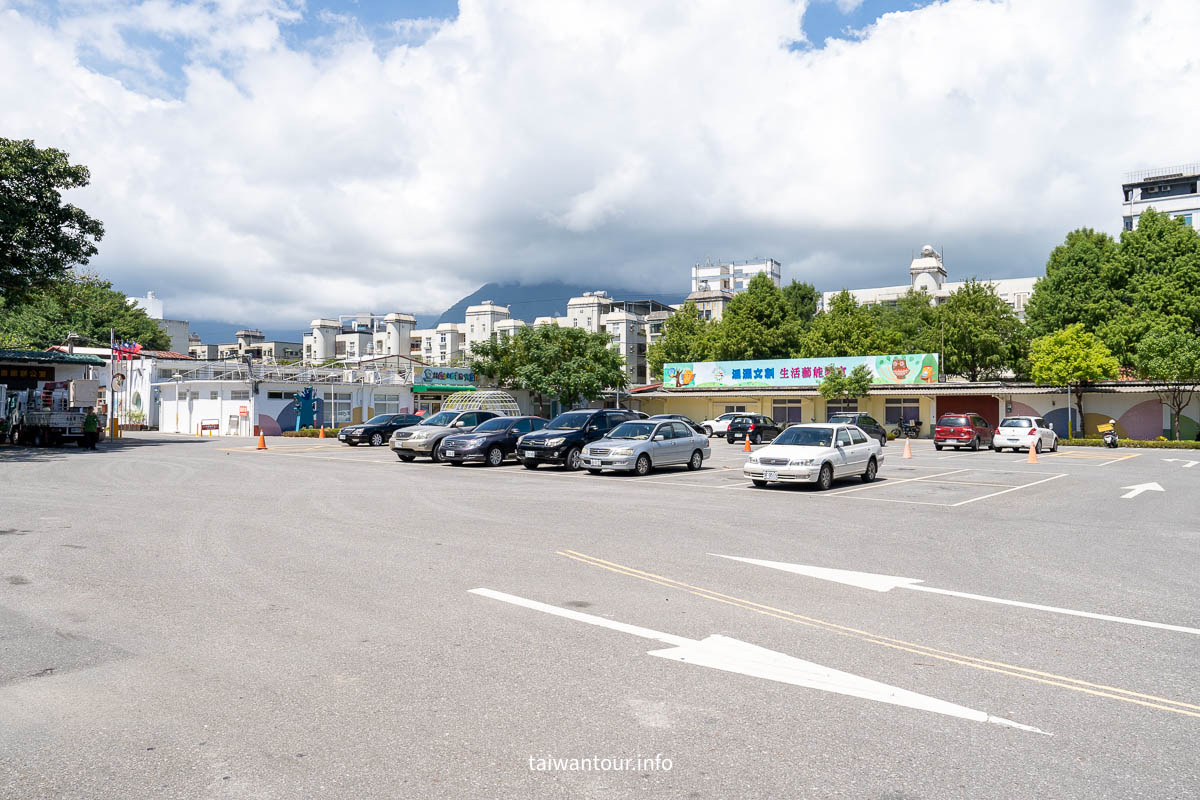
(563, 439)
(865, 421)
(491, 442)
(376, 430)
(754, 427)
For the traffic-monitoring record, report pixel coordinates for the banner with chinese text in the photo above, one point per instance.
(911, 368)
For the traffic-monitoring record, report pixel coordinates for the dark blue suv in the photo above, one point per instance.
(561, 441)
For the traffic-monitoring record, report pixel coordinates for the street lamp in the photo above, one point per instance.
(178, 382)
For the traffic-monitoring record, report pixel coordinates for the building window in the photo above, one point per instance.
(734, 410)
(340, 348)
(214, 395)
(337, 408)
(1187, 219)
(901, 409)
(788, 411)
(239, 394)
(840, 407)
(274, 395)
(1128, 223)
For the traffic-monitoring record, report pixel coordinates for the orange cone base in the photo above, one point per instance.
(262, 442)
(321, 435)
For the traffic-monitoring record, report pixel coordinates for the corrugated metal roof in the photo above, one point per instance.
(49, 357)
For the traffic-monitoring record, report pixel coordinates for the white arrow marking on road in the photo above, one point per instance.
(885, 583)
(733, 655)
(1139, 488)
(1186, 463)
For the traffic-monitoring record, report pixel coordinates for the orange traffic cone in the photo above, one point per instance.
(262, 442)
(907, 448)
(1032, 455)
(747, 448)
(321, 435)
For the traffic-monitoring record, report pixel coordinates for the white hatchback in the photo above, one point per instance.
(1023, 433)
(815, 453)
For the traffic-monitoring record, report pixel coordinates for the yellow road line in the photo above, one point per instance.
(1047, 678)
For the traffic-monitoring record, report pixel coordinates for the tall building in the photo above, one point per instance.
(356, 337)
(1171, 190)
(588, 311)
(176, 329)
(734, 276)
(711, 303)
(927, 273)
(627, 331)
(483, 320)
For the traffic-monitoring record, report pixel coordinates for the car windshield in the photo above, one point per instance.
(806, 437)
(571, 421)
(845, 419)
(633, 430)
(953, 421)
(493, 425)
(382, 419)
(440, 418)
(1016, 422)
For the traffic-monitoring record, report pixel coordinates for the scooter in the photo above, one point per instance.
(909, 430)
(1109, 432)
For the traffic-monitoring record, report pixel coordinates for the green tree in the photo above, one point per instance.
(756, 324)
(983, 338)
(565, 364)
(802, 300)
(1171, 357)
(914, 321)
(685, 337)
(846, 329)
(83, 304)
(1071, 357)
(839, 385)
(41, 238)
(1078, 286)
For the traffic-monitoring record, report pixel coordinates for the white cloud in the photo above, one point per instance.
(570, 139)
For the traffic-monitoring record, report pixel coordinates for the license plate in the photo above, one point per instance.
(1014, 441)
(530, 454)
(771, 476)
(593, 462)
(341, 436)
(450, 453)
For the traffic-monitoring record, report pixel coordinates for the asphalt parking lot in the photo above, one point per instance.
(185, 617)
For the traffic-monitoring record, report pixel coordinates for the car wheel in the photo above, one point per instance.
(872, 470)
(1037, 447)
(937, 447)
(697, 461)
(729, 438)
(825, 478)
(883, 441)
(759, 483)
(376, 439)
(708, 431)
(405, 457)
(529, 464)
(572, 462)
(756, 438)
(1054, 445)
(975, 444)
(594, 471)
(642, 466)
(434, 454)
(495, 457)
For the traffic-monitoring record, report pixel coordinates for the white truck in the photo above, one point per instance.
(52, 415)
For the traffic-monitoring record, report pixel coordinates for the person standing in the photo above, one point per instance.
(91, 429)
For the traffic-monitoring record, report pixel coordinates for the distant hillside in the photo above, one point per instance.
(529, 301)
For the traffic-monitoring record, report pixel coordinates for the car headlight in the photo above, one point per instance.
(467, 443)
(802, 462)
(555, 442)
(420, 435)
(622, 451)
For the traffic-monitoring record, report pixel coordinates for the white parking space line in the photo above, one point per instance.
(1013, 489)
(879, 484)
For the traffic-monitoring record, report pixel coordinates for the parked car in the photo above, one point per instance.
(376, 430)
(1021, 433)
(491, 442)
(962, 430)
(424, 438)
(719, 424)
(642, 445)
(865, 422)
(815, 453)
(681, 418)
(562, 441)
(754, 427)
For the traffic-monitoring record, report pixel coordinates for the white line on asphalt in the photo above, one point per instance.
(733, 655)
(885, 583)
(895, 482)
(1013, 489)
(1139, 488)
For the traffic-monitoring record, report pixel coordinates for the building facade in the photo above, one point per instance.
(176, 329)
(1170, 190)
(734, 276)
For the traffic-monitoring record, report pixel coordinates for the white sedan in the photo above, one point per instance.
(1023, 433)
(719, 425)
(815, 453)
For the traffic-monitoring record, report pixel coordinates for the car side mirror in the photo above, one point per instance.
(460, 424)
(658, 437)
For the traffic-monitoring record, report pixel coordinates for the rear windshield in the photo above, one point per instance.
(844, 419)
(1016, 422)
(954, 421)
(810, 437)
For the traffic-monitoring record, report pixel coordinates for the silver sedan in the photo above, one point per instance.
(645, 444)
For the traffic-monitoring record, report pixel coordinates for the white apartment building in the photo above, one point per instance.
(449, 344)
(711, 303)
(547, 321)
(482, 321)
(588, 311)
(356, 337)
(733, 276)
(1171, 190)
(507, 327)
(927, 273)
(628, 334)
(176, 329)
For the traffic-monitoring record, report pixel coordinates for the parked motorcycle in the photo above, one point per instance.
(1109, 432)
(909, 430)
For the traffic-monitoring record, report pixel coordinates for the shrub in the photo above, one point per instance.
(1159, 444)
(312, 433)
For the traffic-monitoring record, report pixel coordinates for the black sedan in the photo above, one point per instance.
(754, 427)
(864, 421)
(696, 426)
(490, 443)
(376, 430)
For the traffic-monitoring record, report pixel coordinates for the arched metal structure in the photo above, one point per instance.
(483, 400)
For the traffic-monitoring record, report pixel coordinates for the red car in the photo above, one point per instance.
(962, 430)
